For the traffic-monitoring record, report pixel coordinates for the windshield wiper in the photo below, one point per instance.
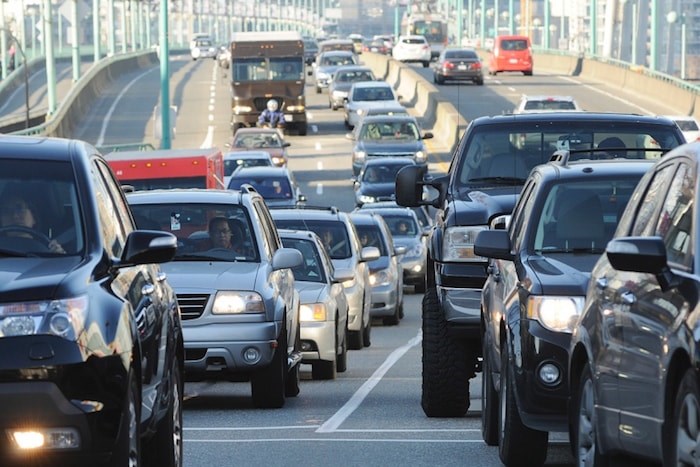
(201, 257)
(16, 254)
(498, 180)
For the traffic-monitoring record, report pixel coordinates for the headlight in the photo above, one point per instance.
(557, 314)
(416, 251)
(421, 156)
(312, 312)
(238, 109)
(233, 303)
(359, 156)
(458, 243)
(63, 318)
(360, 111)
(380, 278)
(295, 108)
(366, 199)
(277, 160)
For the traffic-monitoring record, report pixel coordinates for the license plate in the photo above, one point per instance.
(287, 118)
(513, 60)
(461, 67)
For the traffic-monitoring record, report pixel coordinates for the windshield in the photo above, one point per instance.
(370, 235)
(268, 187)
(40, 214)
(390, 131)
(338, 60)
(401, 225)
(310, 270)
(333, 234)
(218, 232)
(257, 140)
(581, 217)
(373, 93)
(434, 31)
(261, 69)
(508, 152)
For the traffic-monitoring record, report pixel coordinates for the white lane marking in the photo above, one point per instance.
(209, 139)
(253, 428)
(211, 108)
(314, 129)
(332, 424)
(608, 94)
(317, 146)
(105, 122)
(511, 88)
(319, 189)
(211, 118)
(337, 440)
(309, 116)
(319, 164)
(313, 427)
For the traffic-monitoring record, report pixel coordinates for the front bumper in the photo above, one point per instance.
(320, 337)
(355, 297)
(384, 301)
(413, 270)
(219, 348)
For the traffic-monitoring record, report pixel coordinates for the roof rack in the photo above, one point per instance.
(332, 209)
(248, 188)
(560, 157)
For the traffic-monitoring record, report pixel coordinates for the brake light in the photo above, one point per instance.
(448, 65)
(426, 47)
(476, 66)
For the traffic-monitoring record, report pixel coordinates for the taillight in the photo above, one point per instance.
(426, 47)
(476, 66)
(448, 65)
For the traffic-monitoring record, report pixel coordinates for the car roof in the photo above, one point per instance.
(186, 195)
(307, 213)
(391, 210)
(413, 36)
(389, 160)
(592, 169)
(256, 130)
(582, 116)
(42, 148)
(547, 97)
(299, 234)
(353, 68)
(343, 53)
(365, 217)
(389, 118)
(235, 155)
(261, 171)
(371, 84)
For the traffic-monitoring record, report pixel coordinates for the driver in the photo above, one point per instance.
(17, 211)
(272, 115)
(222, 235)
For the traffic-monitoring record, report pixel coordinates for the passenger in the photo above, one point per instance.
(372, 175)
(221, 235)
(19, 216)
(402, 228)
(271, 116)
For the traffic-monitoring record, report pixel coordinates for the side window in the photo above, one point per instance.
(270, 243)
(521, 213)
(644, 220)
(110, 225)
(117, 196)
(675, 221)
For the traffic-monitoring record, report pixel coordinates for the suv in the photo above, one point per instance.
(343, 245)
(90, 333)
(530, 104)
(240, 310)
(534, 292)
(634, 350)
(488, 170)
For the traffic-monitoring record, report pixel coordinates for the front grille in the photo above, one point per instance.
(260, 103)
(391, 154)
(192, 305)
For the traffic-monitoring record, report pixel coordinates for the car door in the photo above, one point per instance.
(652, 318)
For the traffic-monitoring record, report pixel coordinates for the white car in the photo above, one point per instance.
(412, 49)
(546, 103)
(364, 95)
(688, 125)
(203, 48)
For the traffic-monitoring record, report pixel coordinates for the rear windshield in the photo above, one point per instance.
(268, 187)
(338, 60)
(401, 225)
(514, 44)
(374, 93)
(550, 105)
(311, 269)
(506, 153)
(333, 234)
(687, 125)
(413, 40)
(460, 54)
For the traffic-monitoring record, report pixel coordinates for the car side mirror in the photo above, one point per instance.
(343, 275)
(369, 253)
(427, 135)
(349, 136)
(400, 250)
(286, 144)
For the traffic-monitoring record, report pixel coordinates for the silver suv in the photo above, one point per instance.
(343, 245)
(234, 285)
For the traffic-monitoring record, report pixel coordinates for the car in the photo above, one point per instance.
(203, 48)
(406, 232)
(546, 103)
(412, 48)
(387, 39)
(270, 140)
(377, 179)
(511, 53)
(488, 169)
(458, 64)
(327, 62)
(323, 305)
(236, 159)
(633, 352)
(376, 46)
(343, 245)
(342, 80)
(90, 327)
(388, 108)
(199, 36)
(388, 136)
(688, 125)
(333, 45)
(310, 50)
(238, 304)
(367, 94)
(537, 280)
(385, 272)
(357, 41)
(277, 185)
(425, 220)
(223, 56)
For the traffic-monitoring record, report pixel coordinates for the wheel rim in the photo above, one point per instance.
(177, 423)
(688, 432)
(586, 427)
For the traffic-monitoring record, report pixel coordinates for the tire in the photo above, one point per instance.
(127, 451)
(318, 90)
(401, 313)
(479, 82)
(426, 64)
(518, 445)
(439, 80)
(165, 447)
(367, 333)
(394, 319)
(420, 287)
(341, 359)
(334, 107)
(585, 447)
(291, 383)
(302, 129)
(527, 73)
(684, 428)
(268, 384)
(489, 402)
(448, 364)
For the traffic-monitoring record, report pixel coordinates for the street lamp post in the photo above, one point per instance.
(4, 30)
(673, 17)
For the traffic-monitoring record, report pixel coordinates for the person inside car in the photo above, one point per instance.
(271, 116)
(223, 234)
(19, 218)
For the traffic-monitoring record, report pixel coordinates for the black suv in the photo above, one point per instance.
(91, 349)
(634, 350)
(535, 289)
(488, 170)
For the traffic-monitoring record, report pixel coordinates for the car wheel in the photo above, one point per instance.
(318, 90)
(401, 313)
(518, 445)
(479, 82)
(685, 429)
(426, 64)
(341, 360)
(165, 447)
(448, 363)
(394, 319)
(367, 334)
(439, 79)
(128, 446)
(268, 384)
(334, 107)
(325, 369)
(489, 401)
(420, 286)
(291, 383)
(302, 129)
(584, 427)
(527, 73)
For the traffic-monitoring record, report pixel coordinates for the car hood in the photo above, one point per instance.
(377, 189)
(218, 275)
(563, 273)
(406, 241)
(373, 104)
(344, 86)
(38, 278)
(480, 205)
(401, 147)
(328, 69)
(310, 292)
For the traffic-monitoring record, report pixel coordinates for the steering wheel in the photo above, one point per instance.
(36, 235)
